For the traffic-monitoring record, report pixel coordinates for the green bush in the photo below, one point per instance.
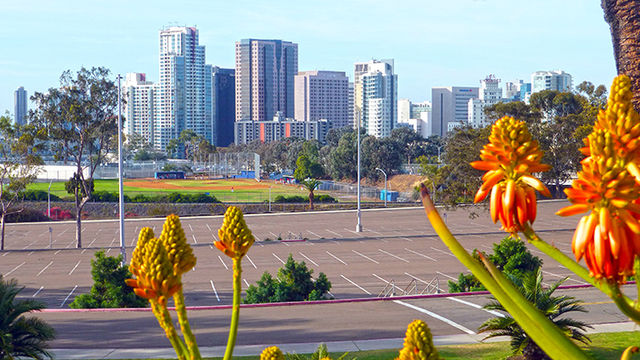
(37, 195)
(199, 198)
(325, 199)
(304, 199)
(510, 256)
(26, 215)
(104, 196)
(109, 289)
(293, 283)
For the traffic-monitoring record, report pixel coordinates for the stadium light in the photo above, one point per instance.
(123, 249)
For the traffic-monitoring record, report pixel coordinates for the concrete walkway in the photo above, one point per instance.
(299, 348)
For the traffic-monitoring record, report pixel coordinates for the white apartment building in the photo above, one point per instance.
(404, 110)
(551, 80)
(450, 107)
(489, 94)
(139, 106)
(379, 93)
(322, 95)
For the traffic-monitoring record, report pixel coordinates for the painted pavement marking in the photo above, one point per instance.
(356, 285)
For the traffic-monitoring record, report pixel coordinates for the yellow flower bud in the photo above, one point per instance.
(235, 236)
(418, 343)
(179, 251)
(272, 353)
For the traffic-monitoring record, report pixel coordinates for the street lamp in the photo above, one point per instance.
(49, 213)
(359, 224)
(385, 186)
(121, 193)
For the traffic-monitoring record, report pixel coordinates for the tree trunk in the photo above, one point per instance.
(311, 196)
(2, 231)
(623, 17)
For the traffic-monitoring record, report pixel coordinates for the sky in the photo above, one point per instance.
(433, 42)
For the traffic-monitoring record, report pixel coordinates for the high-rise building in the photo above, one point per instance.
(265, 71)
(247, 131)
(490, 93)
(138, 106)
(20, 106)
(224, 105)
(551, 80)
(183, 98)
(351, 105)
(322, 95)
(376, 96)
(450, 107)
(359, 69)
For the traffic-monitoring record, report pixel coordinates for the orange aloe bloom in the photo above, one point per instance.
(509, 160)
(609, 237)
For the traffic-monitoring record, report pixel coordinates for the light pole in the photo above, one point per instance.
(385, 186)
(49, 213)
(121, 193)
(359, 224)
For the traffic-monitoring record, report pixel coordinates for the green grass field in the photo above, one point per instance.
(244, 190)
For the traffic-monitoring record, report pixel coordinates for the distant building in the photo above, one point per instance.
(20, 106)
(450, 107)
(551, 80)
(138, 94)
(223, 111)
(322, 95)
(489, 94)
(416, 116)
(420, 110)
(375, 96)
(279, 128)
(404, 110)
(351, 105)
(265, 71)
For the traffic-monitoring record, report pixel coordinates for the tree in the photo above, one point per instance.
(109, 289)
(553, 307)
(516, 109)
(293, 283)
(80, 118)
(21, 336)
(19, 165)
(306, 173)
(343, 158)
(622, 16)
(190, 145)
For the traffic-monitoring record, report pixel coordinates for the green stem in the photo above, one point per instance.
(536, 325)
(235, 314)
(164, 319)
(612, 290)
(185, 327)
(636, 269)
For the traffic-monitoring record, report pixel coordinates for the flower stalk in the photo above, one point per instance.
(235, 313)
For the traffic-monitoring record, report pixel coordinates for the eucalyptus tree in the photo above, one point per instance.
(80, 118)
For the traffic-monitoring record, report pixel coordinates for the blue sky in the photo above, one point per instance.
(434, 43)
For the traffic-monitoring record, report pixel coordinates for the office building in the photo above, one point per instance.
(20, 106)
(265, 71)
(223, 86)
(450, 107)
(404, 110)
(359, 70)
(489, 94)
(322, 95)
(551, 80)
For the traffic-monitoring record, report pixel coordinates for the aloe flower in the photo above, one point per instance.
(418, 343)
(272, 353)
(609, 237)
(510, 159)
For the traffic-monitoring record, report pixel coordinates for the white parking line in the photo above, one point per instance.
(335, 257)
(245, 281)
(133, 241)
(5, 254)
(285, 243)
(225, 265)
(82, 252)
(311, 261)
(45, 268)
(214, 288)
(68, 296)
(562, 277)
(355, 232)
(56, 253)
(436, 316)
(190, 227)
(251, 261)
(209, 227)
(420, 254)
(447, 276)
(365, 256)
(37, 292)
(356, 285)
(278, 258)
(194, 239)
(390, 254)
(333, 232)
(15, 268)
(404, 292)
(91, 243)
(75, 267)
(256, 237)
(314, 234)
(476, 306)
(375, 232)
(406, 238)
(416, 278)
(442, 251)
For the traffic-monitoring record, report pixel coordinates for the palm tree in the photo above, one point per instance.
(554, 307)
(624, 22)
(310, 185)
(21, 336)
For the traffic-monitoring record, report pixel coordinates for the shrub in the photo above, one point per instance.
(57, 213)
(109, 289)
(38, 195)
(510, 256)
(293, 283)
(325, 199)
(104, 196)
(26, 215)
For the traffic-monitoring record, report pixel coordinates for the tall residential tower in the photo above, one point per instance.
(376, 96)
(322, 95)
(20, 106)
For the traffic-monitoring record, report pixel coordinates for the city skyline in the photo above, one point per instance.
(433, 44)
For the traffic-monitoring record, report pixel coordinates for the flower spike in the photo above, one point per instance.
(235, 236)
